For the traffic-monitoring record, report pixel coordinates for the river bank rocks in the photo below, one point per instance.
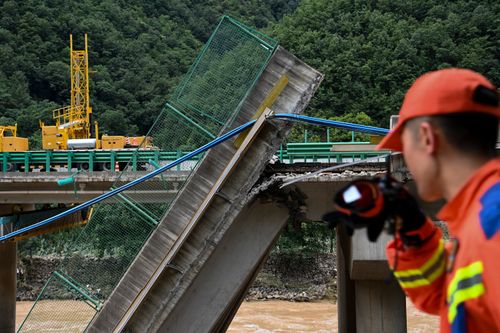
(33, 272)
(296, 277)
(285, 276)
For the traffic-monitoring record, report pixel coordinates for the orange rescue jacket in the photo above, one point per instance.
(459, 280)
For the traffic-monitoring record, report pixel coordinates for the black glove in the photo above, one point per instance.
(404, 209)
(371, 203)
(336, 217)
(374, 226)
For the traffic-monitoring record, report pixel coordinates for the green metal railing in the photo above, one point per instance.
(90, 160)
(320, 152)
(140, 160)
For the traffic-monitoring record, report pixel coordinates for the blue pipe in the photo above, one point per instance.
(333, 123)
(211, 144)
(122, 188)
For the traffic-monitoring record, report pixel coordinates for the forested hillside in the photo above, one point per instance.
(138, 51)
(369, 51)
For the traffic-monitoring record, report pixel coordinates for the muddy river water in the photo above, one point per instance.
(283, 316)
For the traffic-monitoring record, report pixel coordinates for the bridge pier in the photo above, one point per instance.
(366, 301)
(346, 305)
(8, 255)
(8, 286)
(8, 270)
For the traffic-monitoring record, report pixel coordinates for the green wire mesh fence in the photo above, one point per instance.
(223, 74)
(202, 106)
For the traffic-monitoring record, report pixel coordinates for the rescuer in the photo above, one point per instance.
(447, 131)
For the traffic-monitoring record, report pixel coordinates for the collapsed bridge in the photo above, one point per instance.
(198, 252)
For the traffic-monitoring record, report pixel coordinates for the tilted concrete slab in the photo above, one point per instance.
(222, 281)
(152, 311)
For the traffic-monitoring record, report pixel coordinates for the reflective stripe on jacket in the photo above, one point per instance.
(459, 281)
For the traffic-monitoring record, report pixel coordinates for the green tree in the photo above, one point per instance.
(371, 52)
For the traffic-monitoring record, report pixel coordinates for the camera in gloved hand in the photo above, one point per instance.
(375, 203)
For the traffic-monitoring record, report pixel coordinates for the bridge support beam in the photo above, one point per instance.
(346, 305)
(380, 306)
(8, 270)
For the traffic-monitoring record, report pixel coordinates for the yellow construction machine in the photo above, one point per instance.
(9, 141)
(74, 128)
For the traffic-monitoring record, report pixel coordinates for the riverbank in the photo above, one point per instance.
(293, 276)
(296, 277)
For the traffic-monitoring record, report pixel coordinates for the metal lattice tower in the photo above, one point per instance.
(77, 117)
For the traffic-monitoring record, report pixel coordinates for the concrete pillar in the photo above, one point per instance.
(369, 300)
(346, 302)
(8, 259)
(380, 307)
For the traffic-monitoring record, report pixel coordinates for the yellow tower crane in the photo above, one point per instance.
(73, 128)
(80, 112)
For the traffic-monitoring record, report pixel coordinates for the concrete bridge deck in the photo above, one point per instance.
(33, 188)
(21, 188)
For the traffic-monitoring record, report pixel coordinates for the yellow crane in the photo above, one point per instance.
(73, 127)
(73, 123)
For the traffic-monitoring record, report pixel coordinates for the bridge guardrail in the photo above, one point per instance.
(142, 160)
(321, 152)
(65, 161)
(89, 160)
